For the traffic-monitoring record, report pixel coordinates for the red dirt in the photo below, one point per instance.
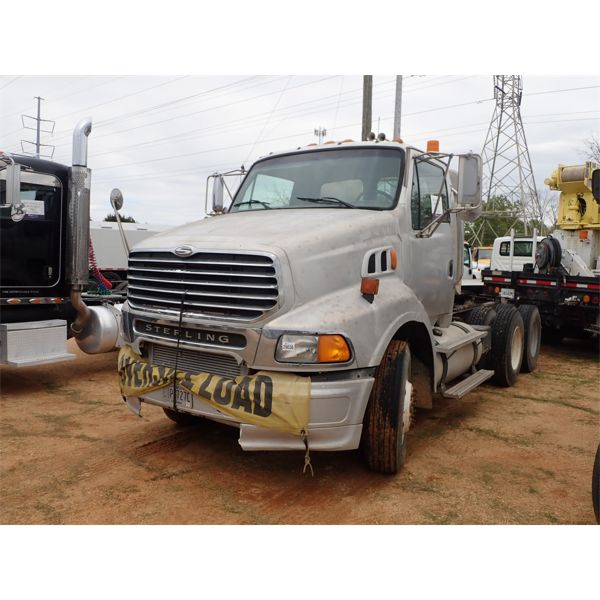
(71, 452)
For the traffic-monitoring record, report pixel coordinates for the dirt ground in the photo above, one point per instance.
(71, 452)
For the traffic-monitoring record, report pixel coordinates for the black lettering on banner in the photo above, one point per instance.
(223, 396)
(146, 376)
(262, 381)
(204, 391)
(186, 382)
(242, 396)
(136, 376)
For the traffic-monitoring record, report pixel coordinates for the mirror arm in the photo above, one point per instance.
(431, 227)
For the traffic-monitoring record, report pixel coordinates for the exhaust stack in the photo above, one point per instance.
(78, 223)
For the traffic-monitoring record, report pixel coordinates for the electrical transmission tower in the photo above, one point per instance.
(38, 130)
(508, 184)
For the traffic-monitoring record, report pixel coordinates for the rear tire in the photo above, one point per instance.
(508, 336)
(387, 417)
(533, 336)
(482, 315)
(181, 418)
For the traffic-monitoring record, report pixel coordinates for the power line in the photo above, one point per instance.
(86, 89)
(587, 87)
(230, 163)
(136, 113)
(116, 99)
(190, 133)
(10, 82)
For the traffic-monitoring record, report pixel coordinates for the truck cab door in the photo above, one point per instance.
(432, 270)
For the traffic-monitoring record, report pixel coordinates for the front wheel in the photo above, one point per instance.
(387, 418)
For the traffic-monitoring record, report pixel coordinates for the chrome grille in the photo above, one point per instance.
(227, 285)
(194, 361)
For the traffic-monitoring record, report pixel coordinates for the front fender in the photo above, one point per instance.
(368, 327)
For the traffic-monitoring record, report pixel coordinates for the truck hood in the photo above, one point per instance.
(323, 247)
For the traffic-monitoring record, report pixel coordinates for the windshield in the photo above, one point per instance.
(484, 254)
(365, 178)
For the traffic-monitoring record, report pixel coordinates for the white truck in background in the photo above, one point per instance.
(511, 253)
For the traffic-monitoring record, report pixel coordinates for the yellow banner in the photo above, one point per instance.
(278, 401)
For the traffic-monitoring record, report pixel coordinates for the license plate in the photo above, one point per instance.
(507, 293)
(184, 398)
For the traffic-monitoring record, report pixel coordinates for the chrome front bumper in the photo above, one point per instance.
(337, 409)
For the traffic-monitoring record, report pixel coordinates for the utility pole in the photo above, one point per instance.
(398, 108)
(38, 130)
(367, 106)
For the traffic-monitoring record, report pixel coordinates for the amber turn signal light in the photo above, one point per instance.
(369, 285)
(393, 259)
(333, 348)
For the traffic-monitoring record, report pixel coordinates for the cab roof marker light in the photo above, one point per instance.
(433, 145)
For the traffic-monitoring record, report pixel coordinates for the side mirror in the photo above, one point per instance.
(116, 199)
(469, 181)
(217, 193)
(596, 184)
(13, 184)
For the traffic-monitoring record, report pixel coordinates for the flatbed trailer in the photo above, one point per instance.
(569, 305)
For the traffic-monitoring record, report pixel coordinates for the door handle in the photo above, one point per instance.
(451, 268)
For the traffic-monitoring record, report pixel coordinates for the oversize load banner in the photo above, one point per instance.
(277, 401)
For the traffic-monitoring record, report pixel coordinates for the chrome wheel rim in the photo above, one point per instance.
(516, 348)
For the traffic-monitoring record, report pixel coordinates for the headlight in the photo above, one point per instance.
(312, 349)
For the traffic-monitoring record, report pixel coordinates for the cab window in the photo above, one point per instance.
(426, 200)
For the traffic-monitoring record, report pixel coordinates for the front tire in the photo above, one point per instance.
(387, 418)
(508, 337)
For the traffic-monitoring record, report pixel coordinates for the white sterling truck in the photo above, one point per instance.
(319, 309)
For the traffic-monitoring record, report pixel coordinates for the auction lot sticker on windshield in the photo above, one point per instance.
(277, 401)
(34, 208)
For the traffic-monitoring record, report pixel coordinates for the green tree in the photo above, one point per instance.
(124, 219)
(499, 215)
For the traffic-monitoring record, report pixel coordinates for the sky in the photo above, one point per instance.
(158, 137)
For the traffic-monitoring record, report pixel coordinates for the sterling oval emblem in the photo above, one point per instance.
(184, 251)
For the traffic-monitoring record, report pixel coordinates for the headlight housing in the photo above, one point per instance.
(312, 349)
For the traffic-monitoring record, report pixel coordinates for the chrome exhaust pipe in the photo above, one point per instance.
(80, 142)
(78, 223)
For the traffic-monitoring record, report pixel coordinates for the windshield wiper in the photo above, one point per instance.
(327, 200)
(250, 202)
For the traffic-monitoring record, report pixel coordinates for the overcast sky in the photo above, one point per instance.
(158, 137)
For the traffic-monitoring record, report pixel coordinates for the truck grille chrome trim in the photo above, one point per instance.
(193, 361)
(218, 285)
